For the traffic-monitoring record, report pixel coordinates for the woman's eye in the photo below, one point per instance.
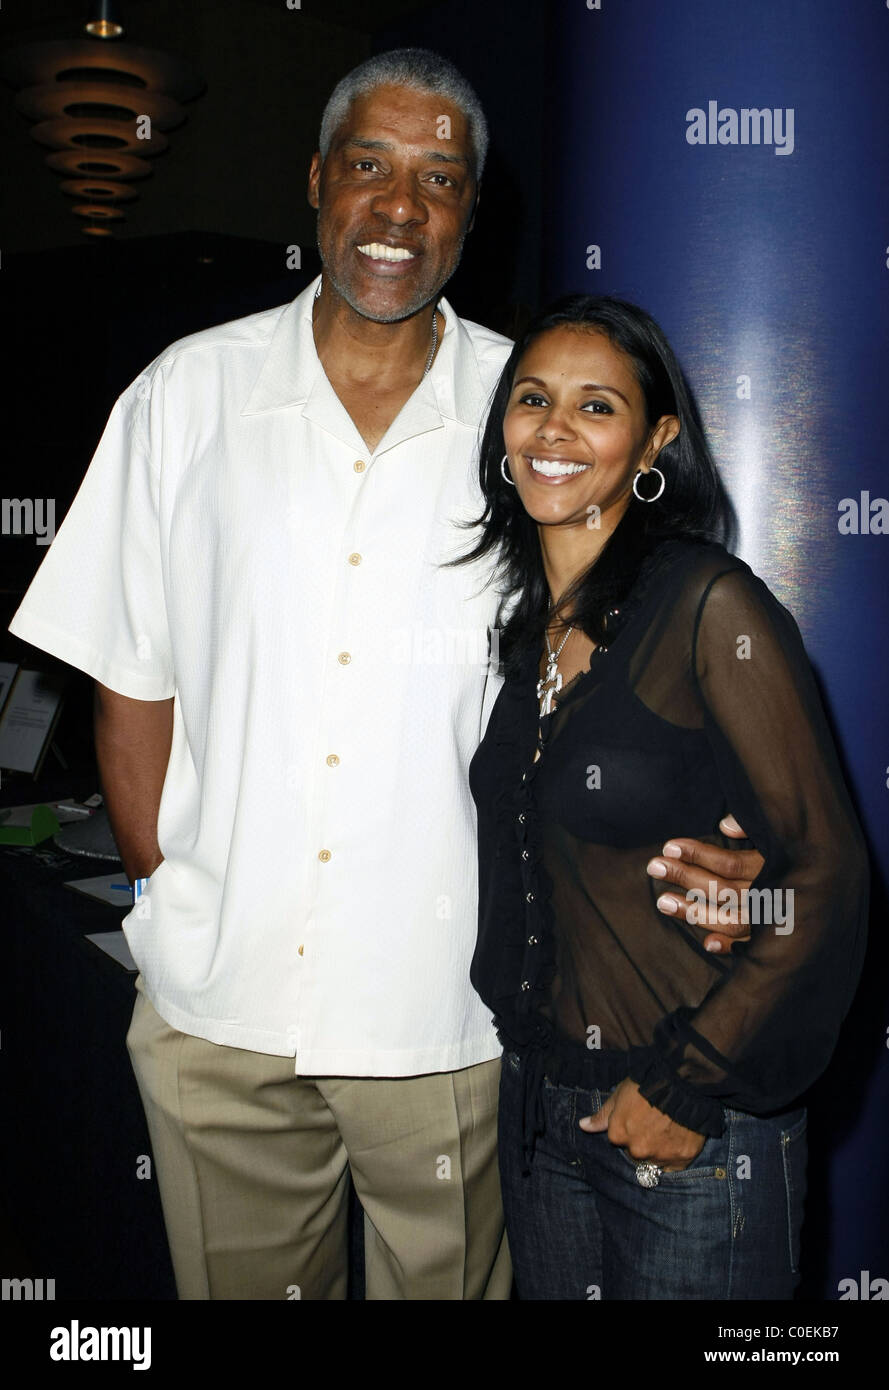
(598, 408)
(533, 398)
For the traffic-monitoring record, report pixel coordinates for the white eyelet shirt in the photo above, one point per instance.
(235, 545)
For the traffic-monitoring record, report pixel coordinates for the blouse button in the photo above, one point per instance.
(526, 984)
(529, 897)
(532, 940)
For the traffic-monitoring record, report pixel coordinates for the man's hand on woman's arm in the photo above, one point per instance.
(133, 740)
(691, 864)
(626, 1117)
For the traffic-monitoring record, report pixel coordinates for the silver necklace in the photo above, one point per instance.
(432, 346)
(551, 683)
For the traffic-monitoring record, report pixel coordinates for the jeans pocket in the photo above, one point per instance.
(710, 1163)
(794, 1155)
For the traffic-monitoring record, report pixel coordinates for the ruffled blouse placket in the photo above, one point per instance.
(538, 961)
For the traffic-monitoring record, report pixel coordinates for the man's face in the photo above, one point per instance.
(395, 198)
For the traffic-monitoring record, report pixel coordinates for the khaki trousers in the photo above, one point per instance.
(252, 1161)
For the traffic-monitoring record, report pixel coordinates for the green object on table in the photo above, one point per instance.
(44, 823)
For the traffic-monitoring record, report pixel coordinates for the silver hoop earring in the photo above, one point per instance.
(660, 489)
(503, 472)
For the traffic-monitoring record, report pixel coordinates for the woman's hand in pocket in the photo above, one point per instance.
(647, 1134)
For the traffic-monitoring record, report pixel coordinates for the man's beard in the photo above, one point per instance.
(422, 297)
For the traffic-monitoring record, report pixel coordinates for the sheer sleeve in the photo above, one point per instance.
(768, 1028)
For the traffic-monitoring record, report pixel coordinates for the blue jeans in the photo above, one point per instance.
(581, 1227)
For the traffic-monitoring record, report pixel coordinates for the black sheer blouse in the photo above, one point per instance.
(703, 703)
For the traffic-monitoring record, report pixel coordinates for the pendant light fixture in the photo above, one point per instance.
(105, 23)
(102, 107)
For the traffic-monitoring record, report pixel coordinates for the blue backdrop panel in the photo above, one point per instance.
(727, 167)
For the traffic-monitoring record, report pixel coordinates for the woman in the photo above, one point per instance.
(652, 1144)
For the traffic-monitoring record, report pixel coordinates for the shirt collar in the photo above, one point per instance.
(292, 375)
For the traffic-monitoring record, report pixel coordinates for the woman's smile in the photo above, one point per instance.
(550, 470)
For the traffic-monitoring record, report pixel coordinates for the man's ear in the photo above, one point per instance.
(312, 192)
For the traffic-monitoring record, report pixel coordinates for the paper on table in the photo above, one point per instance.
(108, 888)
(7, 676)
(114, 944)
(66, 812)
(28, 720)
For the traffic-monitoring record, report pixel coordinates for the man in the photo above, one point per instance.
(290, 686)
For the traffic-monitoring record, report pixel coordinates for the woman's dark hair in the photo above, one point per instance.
(693, 504)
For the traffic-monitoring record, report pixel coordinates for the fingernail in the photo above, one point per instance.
(713, 946)
(667, 904)
(656, 868)
(672, 850)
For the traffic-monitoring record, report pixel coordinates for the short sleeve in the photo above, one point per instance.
(767, 1030)
(97, 601)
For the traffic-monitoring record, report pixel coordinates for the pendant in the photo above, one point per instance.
(547, 688)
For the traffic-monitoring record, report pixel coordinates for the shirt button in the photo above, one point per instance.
(521, 818)
(332, 760)
(532, 941)
(344, 658)
(299, 950)
(525, 854)
(359, 465)
(324, 855)
(354, 558)
(526, 984)
(529, 897)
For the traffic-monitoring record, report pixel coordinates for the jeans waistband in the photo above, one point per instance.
(591, 1069)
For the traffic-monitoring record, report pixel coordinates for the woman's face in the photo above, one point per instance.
(576, 432)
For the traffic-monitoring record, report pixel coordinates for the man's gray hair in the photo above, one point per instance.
(422, 71)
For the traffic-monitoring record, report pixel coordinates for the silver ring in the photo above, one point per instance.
(648, 1174)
